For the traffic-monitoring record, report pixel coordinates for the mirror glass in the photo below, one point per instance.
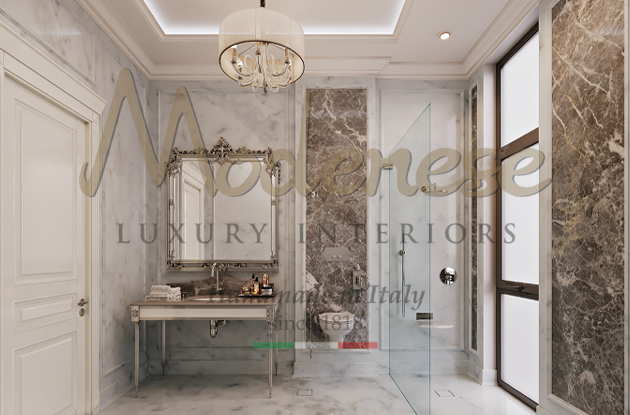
(221, 210)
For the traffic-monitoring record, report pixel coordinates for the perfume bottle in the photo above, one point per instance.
(256, 290)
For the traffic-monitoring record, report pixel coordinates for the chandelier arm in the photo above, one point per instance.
(284, 83)
(250, 69)
(247, 82)
(239, 72)
(284, 70)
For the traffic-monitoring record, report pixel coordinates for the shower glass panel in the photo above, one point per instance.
(409, 268)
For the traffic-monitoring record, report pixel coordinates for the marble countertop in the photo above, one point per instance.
(205, 301)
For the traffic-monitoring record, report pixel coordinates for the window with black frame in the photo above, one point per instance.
(518, 221)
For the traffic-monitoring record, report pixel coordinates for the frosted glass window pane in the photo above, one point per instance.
(519, 216)
(519, 344)
(520, 93)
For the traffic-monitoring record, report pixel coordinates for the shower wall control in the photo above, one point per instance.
(448, 276)
(359, 280)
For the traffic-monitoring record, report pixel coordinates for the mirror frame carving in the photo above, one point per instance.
(221, 153)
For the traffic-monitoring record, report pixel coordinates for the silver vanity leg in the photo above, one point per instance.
(276, 330)
(163, 346)
(270, 358)
(137, 355)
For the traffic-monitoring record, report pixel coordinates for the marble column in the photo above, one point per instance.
(588, 205)
(337, 120)
(473, 227)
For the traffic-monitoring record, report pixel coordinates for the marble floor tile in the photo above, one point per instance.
(208, 394)
(237, 394)
(469, 398)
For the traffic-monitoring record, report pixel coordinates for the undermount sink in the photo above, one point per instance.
(210, 298)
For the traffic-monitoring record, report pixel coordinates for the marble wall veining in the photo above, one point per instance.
(588, 205)
(242, 118)
(473, 226)
(68, 37)
(123, 201)
(337, 120)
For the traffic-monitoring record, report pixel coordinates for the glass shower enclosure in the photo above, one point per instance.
(409, 271)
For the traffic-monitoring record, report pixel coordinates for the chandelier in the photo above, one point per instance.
(261, 48)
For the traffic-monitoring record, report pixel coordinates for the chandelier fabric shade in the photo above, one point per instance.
(261, 48)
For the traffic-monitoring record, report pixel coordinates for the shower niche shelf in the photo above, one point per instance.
(433, 324)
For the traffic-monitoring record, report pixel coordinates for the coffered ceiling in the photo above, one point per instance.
(392, 39)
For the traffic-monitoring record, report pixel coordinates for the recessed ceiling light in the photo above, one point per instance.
(445, 35)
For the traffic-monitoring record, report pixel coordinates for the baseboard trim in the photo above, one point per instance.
(483, 377)
(122, 385)
(542, 411)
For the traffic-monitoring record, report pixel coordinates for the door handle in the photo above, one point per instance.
(81, 303)
(520, 288)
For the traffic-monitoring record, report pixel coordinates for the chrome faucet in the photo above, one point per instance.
(215, 269)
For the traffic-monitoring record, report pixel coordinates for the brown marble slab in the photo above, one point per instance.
(337, 120)
(473, 226)
(588, 205)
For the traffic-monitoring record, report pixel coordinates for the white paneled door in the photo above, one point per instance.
(44, 258)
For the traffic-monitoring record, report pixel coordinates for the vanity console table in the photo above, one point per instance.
(206, 308)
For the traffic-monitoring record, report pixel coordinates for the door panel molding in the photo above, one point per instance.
(32, 314)
(63, 389)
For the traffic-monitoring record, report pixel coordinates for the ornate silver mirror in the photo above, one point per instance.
(222, 209)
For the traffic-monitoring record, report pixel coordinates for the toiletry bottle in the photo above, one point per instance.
(265, 279)
(256, 287)
(251, 282)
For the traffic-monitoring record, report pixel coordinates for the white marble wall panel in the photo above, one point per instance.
(256, 121)
(123, 202)
(57, 28)
(243, 118)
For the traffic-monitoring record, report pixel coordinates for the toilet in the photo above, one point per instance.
(336, 325)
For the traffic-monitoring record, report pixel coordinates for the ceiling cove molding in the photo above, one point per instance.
(109, 21)
(174, 38)
(150, 19)
(414, 71)
(509, 18)
(363, 66)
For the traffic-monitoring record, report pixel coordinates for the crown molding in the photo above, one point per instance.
(414, 71)
(350, 66)
(111, 24)
(509, 18)
(318, 66)
(150, 19)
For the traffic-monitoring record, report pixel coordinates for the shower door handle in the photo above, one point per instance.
(402, 289)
